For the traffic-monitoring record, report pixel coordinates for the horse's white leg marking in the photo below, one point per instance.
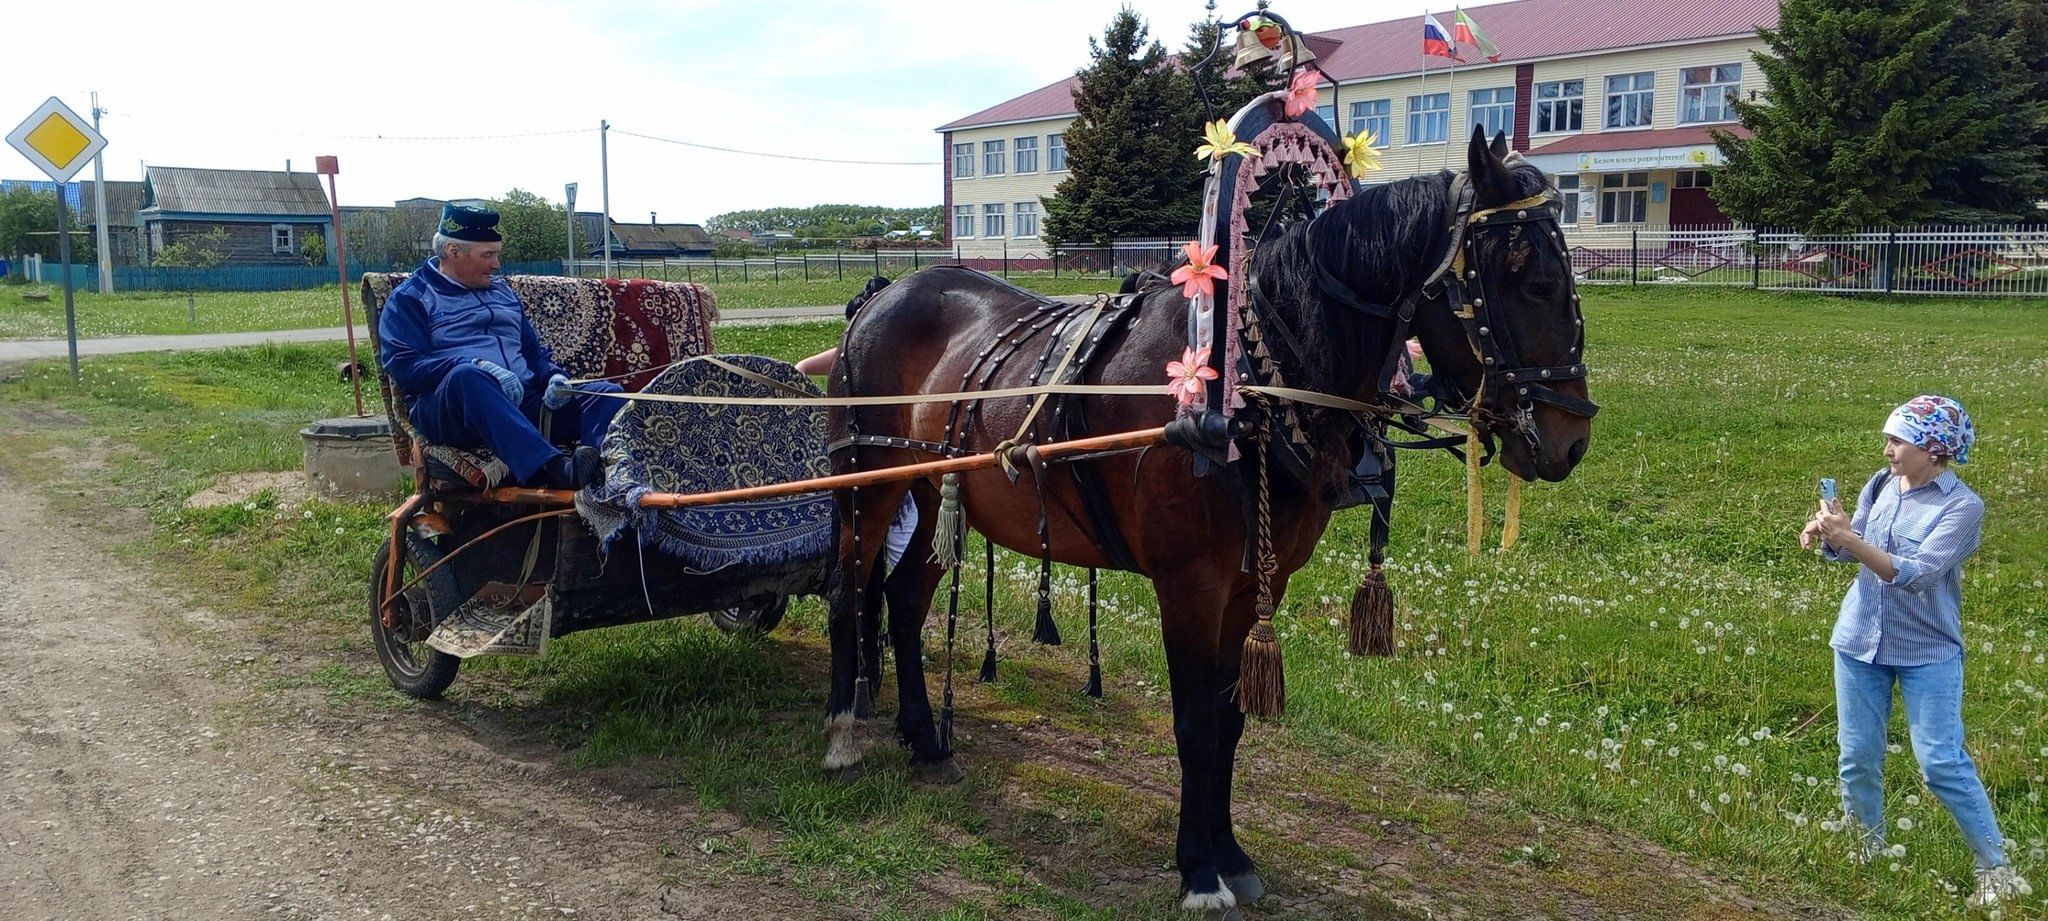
(841, 751)
(1219, 900)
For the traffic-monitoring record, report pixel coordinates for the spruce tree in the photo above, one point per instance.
(1861, 119)
(2005, 95)
(1126, 145)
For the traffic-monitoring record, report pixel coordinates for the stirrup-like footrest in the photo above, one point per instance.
(481, 628)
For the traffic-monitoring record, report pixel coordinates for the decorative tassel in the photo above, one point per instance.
(1372, 615)
(946, 533)
(1262, 688)
(1511, 528)
(1094, 688)
(1475, 507)
(1045, 631)
(988, 607)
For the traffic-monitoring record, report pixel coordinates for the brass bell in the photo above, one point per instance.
(1250, 50)
(1294, 53)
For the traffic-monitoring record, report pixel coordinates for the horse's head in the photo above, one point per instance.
(1507, 326)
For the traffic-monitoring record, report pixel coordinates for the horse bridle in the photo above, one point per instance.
(1484, 318)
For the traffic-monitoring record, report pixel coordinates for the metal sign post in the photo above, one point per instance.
(329, 166)
(55, 139)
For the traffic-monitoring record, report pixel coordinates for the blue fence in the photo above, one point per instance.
(242, 277)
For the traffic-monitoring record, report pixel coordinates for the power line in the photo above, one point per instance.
(364, 137)
(778, 156)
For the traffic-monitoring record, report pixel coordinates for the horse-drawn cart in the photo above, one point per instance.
(493, 570)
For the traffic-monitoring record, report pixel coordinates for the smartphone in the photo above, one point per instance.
(1827, 489)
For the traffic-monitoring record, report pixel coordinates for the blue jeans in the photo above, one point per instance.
(1934, 717)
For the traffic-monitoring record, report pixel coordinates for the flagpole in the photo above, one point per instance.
(1450, 90)
(1422, 86)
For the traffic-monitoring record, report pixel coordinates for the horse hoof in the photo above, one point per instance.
(939, 773)
(1214, 905)
(846, 774)
(1247, 886)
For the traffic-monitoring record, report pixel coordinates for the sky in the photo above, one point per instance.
(472, 99)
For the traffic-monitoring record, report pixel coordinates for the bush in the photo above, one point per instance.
(314, 248)
(199, 251)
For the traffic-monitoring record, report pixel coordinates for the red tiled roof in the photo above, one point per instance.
(1688, 136)
(1524, 30)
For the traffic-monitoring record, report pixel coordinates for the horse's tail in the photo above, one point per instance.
(867, 293)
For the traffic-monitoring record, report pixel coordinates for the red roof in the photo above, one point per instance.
(1688, 136)
(1525, 30)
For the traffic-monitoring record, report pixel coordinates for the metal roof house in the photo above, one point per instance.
(1615, 98)
(661, 241)
(267, 214)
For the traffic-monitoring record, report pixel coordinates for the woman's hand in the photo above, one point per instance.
(1833, 524)
(1810, 533)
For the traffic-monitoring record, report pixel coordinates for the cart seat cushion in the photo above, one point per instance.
(695, 448)
(477, 467)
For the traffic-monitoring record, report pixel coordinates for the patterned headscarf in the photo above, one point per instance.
(1937, 425)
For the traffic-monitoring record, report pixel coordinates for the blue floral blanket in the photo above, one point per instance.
(658, 446)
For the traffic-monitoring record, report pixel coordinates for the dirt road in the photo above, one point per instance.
(136, 781)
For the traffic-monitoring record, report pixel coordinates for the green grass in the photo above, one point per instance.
(1650, 659)
(156, 313)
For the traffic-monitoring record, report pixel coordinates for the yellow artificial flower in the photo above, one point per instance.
(1222, 143)
(1359, 156)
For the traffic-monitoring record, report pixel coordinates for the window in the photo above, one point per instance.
(1559, 106)
(991, 158)
(1055, 153)
(1027, 154)
(1328, 113)
(1568, 195)
(281, 236)
(963, 221)
(992, 219)
(1027, 218)
(1694, 179)
(1372, 115)
(963, 161)
(1494, 109)
(1429, 118)
(1705, 93)
(1629, 97)
(1624, 198)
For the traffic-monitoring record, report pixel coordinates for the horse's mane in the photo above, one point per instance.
(1382, 243)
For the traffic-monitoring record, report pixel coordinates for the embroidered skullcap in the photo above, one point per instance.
(470, 225)
(1937, 425)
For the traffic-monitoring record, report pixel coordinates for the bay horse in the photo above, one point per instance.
(1390, 244)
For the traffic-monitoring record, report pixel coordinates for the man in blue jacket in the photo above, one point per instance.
(456, 339)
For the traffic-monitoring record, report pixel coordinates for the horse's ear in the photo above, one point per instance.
(1490, 176)
(1500, 145)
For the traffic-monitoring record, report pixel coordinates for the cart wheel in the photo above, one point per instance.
(755, 617)
(414, 667)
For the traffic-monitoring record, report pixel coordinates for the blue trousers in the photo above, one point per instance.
(469, 410)
(1934, 717)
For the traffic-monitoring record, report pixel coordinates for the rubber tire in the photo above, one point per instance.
(754, 618)
(424, 679)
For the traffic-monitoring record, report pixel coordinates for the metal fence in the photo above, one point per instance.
(1986, 260)
(784, 267)
(234, 277)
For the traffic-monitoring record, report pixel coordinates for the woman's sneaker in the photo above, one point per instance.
(1998, 886)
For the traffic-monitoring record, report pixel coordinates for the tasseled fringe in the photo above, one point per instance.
(1372, 615)
(988, 607)
(1045, 631)
(946, 532)
(1094, 688)
(1262, 686)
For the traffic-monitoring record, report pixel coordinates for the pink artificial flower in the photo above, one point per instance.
(1414, 350)
(1187, 375)
(1301, 94)
(1198, 276)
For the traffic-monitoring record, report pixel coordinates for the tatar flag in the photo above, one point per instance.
(1465, 30)
(1435, 40)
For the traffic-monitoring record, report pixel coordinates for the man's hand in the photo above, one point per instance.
(558, 393)
(507, 381)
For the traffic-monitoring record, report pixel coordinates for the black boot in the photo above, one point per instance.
(573, 470)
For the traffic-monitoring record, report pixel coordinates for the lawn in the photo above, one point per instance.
(158, 313)
(1650, 659)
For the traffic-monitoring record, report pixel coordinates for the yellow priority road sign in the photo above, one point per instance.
(56, 139)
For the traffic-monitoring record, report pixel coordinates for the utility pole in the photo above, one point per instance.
(569, 193)
(604, 178)
(99, 197)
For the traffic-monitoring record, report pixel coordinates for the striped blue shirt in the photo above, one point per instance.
(1917, 617)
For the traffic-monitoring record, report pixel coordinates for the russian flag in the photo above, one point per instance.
(1435, 40)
